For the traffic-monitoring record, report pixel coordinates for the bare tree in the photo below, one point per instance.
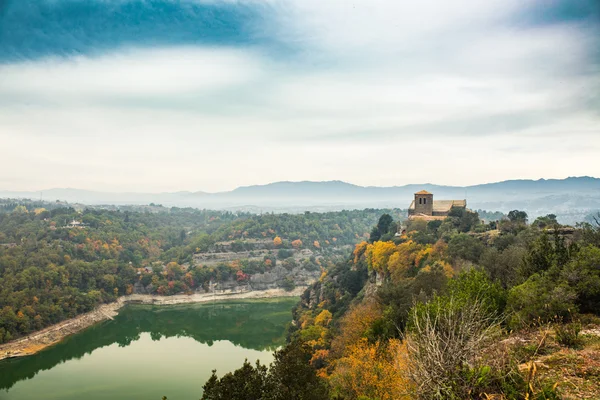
(444, 344)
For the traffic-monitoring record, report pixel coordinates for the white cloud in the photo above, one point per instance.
(131, 72)
(373, 89)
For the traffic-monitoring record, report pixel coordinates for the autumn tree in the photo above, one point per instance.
(373, 371)
(379, 254)
(355, 325)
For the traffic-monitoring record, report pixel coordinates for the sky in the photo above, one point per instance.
(209, 95)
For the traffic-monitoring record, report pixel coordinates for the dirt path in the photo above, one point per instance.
(39, 340)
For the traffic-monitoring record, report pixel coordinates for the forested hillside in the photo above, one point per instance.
(454, 309)
(56, 262)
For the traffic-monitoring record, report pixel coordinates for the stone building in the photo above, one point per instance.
(424, 207)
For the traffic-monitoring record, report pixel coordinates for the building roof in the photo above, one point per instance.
(427, 217)
(423, 192)
(443, 205)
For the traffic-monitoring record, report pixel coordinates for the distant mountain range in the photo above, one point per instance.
(565, 197)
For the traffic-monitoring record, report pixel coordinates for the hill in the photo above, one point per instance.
(571, 198)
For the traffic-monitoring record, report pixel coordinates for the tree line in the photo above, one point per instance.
(52, 269)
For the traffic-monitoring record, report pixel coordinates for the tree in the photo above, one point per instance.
(355, 325)
(379, 254)
(545, 221)
(372, 371)
(466, 247)
(277, 241)
(382, 227)
(503, 265)
(290, 377)
(463, 220)
(517, 216)
(247, 382)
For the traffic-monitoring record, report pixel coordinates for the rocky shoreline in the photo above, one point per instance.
(51, 335)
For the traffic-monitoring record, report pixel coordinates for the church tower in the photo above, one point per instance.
(423, 203)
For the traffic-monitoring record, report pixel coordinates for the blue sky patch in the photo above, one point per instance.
(30, 29)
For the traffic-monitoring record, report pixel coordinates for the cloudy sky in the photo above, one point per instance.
(169, 95)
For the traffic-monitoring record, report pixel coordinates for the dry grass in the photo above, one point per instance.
(574, 373)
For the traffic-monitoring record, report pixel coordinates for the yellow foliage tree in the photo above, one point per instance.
(324, 318)
(359, 250)
(379, 254)
(403, 259)
(277, 241)
(374, 371)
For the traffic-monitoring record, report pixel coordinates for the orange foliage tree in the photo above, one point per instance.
(354, 325)
(297, 243)
(373, 371)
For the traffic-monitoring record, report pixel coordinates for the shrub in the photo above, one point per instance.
(568, 334)
(582, 273)
(446, 336)
(539, 300)
(282, 254)
(474, 285)
(288, 284)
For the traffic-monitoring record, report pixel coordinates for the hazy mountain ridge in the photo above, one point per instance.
(570, 196)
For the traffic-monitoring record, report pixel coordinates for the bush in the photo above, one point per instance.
(288, 284)
(539, 300)
(582, 273)
(282, 254)
(568, 334)
(474, 285)
(446, 337)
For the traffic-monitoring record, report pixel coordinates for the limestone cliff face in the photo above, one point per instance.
(138, 288)
(274, 279)
(278, 276)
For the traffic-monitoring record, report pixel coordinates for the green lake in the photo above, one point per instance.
(148, 352)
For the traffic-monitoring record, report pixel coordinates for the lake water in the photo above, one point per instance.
(149, 351)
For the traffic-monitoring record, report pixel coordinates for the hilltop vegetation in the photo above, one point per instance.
(454, 310)
(52, 269)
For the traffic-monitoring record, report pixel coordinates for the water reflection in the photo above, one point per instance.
(257, 325)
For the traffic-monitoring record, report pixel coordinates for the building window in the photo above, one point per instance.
(420, 201)
(424, 201)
